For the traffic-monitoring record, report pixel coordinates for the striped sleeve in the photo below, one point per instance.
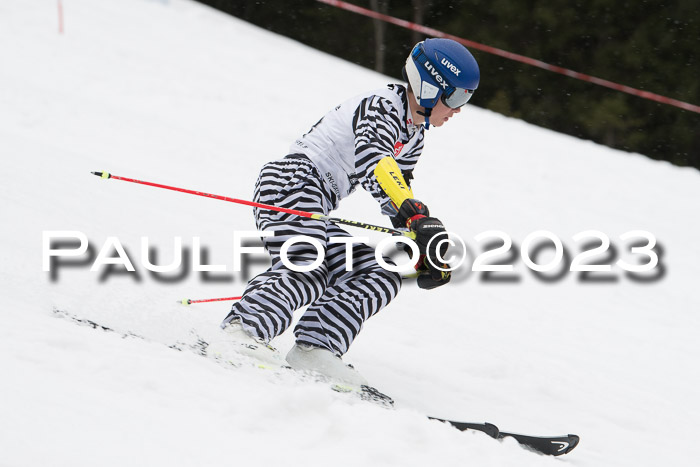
(407, 160)
(377, 128)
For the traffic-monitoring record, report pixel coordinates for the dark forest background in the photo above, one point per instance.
(646, 44)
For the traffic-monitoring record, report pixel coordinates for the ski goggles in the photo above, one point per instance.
(457, 97)
(453, 97)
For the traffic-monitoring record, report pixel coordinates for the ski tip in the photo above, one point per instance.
(563, 445)
(548, 445)
(184, 301)
(102, 174)
(574, 439)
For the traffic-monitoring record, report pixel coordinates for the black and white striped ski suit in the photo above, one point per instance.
(314, 179)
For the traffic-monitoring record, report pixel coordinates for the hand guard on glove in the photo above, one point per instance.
(430, 277)
(415, 215)
(430, 267)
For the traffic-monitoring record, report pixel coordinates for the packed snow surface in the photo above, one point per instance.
(174, 92)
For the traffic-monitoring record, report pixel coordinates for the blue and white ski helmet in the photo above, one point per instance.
(441, 69)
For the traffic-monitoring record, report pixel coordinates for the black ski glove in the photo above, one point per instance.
(430, 275)
(409, 209)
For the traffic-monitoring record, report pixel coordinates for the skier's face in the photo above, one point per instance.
(441, 113)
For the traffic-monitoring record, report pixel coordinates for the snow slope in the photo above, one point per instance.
(176, 93)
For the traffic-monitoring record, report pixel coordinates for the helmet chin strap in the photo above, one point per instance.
(426, 116)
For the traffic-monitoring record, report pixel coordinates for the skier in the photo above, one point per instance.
(373, 140)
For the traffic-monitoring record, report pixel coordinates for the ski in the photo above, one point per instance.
(549, 445)
(366, 393)
(200, 346)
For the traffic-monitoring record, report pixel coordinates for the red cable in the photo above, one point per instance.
(512, 56)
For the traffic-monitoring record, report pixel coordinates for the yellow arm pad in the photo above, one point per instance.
(391, 180)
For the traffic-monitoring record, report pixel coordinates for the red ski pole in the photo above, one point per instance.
(188, 301)
(311, 215)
